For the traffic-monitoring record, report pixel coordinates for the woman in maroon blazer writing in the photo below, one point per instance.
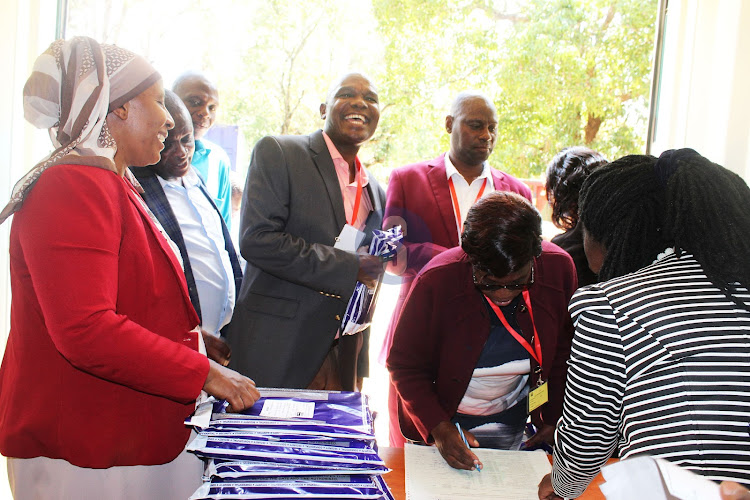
(102, 363)
(484, 336)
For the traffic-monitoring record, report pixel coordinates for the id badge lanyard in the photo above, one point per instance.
(350, 237)
(358, 196)
(536, 351)
(457, 208)
(539, 394)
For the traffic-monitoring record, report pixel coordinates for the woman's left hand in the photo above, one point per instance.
(546, 491)
(545, 434)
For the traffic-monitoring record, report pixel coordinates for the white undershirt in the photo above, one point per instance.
(494, 389)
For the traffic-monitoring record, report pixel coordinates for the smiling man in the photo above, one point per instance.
(304, 197)
(178, 198)
(430, 200)
(201, 98)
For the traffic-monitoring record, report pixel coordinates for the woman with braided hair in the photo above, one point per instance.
(660, 363)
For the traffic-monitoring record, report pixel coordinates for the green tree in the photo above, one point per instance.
(561, 72)
(577, 72)
(293, 53)
(429, 56)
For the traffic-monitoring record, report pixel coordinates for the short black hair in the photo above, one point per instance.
(502, 233)
(565, 175)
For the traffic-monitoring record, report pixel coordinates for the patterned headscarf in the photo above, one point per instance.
(73, 86)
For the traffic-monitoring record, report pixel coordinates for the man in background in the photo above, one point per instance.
(430, 200)
(178, 198)
(212, 163)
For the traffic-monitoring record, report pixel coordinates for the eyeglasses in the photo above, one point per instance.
(492, 287)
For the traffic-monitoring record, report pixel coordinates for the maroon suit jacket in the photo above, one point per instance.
(418, 198)
(101, 367)
(443, 328)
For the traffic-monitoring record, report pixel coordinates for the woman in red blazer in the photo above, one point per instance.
(485, 334)
(102, 363)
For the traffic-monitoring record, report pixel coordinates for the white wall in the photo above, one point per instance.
(704, 100)
(27, 27)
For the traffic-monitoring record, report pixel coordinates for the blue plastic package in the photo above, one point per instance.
(233, 469)
(343, 410)
(237, 448)
(338, 486)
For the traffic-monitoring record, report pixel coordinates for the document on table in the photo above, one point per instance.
(506, 475)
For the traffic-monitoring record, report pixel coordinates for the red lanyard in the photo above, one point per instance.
(358, 196)
(459, 220)
(536, 353)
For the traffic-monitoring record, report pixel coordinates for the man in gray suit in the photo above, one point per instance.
(305, 197)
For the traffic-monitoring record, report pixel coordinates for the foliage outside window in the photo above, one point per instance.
(561, 72)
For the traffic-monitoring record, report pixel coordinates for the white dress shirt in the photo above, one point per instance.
(465, 192)
(201, 229)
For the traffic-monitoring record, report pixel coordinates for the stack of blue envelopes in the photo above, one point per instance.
(290, 443)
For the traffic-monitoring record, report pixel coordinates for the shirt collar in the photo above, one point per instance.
(339, 160)
(451, 170)
(202, 147)
(190, 179)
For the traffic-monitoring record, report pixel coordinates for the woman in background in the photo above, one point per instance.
(102, 363)
(660, 363)
(565, 175)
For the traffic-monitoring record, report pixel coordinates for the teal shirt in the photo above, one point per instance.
(212, 164)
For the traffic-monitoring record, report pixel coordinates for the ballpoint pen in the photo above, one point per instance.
(463, 438)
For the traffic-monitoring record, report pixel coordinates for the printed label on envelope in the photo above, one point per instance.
(286, 408)
(538, 397)
(349, 239)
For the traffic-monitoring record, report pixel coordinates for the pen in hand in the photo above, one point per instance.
(463, 438)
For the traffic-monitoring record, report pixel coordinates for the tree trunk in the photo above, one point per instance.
(591, 129)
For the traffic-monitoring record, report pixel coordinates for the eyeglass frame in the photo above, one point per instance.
(491, 287)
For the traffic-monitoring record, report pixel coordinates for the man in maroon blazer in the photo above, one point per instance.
(430, 200)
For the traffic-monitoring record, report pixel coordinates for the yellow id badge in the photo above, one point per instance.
(538, 397)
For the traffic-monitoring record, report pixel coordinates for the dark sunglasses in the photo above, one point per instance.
(492, 287)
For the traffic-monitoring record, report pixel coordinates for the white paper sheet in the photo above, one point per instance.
(648, 478)
(286, 408)
(506, 475)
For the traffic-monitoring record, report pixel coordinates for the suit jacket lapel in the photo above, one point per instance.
(228, 244)
(374, 201)
(324, 163)
(178, 271)
(497, 180)
(438, 181)
(156, 200)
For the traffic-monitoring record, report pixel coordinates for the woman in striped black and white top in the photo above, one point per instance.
(660, 362)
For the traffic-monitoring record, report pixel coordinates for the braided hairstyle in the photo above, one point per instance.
(637, 206)
(565, 175)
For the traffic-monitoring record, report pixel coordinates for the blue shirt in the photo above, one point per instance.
(212, 164)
